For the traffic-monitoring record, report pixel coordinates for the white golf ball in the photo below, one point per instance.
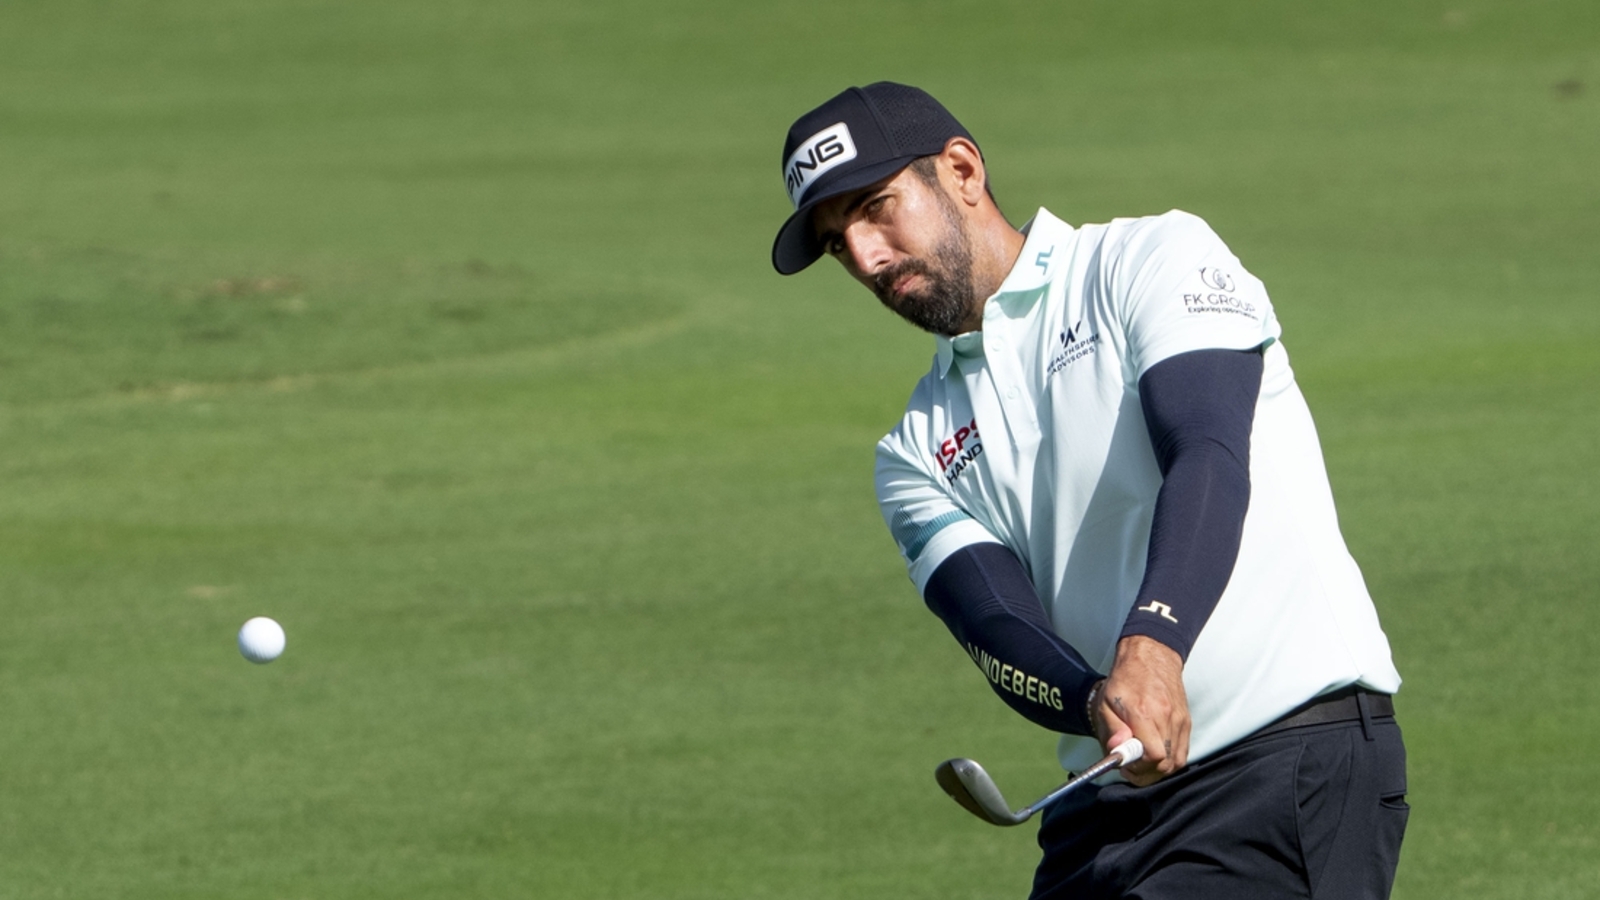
(261, 640)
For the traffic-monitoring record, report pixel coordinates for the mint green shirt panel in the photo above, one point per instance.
(932, 489)
(1183, 289)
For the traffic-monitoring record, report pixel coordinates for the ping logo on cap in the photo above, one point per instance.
(824, 150)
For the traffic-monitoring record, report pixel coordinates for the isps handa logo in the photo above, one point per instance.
(958, 451)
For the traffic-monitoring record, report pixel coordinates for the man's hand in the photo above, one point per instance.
(1144, 698)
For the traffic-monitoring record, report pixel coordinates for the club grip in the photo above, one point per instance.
(1129, 751)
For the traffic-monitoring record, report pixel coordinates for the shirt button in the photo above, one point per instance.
(1011, 394)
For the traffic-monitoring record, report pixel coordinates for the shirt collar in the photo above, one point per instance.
(1041, 256)
(968, 345)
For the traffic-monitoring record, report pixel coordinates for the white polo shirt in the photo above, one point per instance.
(1029, 433)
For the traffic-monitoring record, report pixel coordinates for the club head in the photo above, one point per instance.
(967, 782)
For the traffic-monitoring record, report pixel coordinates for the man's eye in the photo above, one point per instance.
(833, 245)
(875, 206)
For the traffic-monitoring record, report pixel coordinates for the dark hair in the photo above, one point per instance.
(926, 170)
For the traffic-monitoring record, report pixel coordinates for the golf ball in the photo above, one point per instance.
(261, 640)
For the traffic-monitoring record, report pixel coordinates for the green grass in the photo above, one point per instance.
(445, 334)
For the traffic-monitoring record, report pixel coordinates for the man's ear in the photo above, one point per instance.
(965, 165)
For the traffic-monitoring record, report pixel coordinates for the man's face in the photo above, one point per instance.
(905, 240)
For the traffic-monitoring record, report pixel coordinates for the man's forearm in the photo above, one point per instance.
(1199, 408)
(986, 599)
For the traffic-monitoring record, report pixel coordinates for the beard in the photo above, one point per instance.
(946, 298)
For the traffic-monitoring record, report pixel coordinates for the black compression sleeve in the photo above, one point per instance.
(986, 599)
(1199, 408)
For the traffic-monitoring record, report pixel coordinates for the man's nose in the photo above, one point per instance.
(869, 253)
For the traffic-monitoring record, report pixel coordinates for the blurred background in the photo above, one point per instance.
(446, 335)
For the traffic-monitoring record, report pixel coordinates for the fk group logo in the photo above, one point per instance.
(827, 149)
(1216, 278)
(1221, 298)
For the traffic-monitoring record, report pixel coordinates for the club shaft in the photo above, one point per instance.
(1095, 771)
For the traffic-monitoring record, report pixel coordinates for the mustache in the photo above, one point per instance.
(884, 281)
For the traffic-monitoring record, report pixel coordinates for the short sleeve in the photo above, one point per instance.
(1180, 289)
(924, 519)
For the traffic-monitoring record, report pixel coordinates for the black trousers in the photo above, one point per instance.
(1315, 812)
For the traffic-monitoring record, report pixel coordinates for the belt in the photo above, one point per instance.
(1351, 704)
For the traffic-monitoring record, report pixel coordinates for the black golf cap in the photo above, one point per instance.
(856, 139)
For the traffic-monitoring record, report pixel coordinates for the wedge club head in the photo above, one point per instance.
(969, 785)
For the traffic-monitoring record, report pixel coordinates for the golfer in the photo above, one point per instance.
(1109, 488)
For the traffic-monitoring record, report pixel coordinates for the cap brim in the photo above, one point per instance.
(796, 246)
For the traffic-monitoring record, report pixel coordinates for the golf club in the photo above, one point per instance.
(971, 786)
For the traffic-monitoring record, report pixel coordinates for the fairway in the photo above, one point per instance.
(446, 335)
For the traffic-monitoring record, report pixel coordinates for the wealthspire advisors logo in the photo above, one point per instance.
(1076, 343)
(827, 149)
